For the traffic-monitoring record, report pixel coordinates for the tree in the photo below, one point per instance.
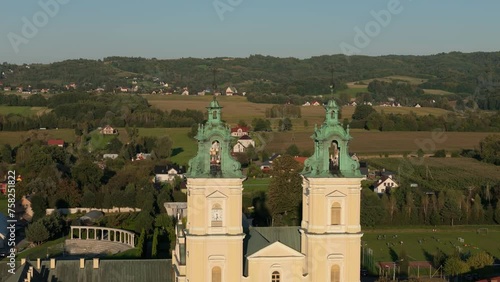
(6, 154)
(154, 246)
(372, 211)
(490, 149)
(37, 233)
(440, 154)
(38, 205)
(455, 266)
(306, 123)
(163, 147)
(285, 124)
(292, 150)
(480, 260)
(285, 190)
(87, 174)
(242, 123)
(362, 112)
(451, 210)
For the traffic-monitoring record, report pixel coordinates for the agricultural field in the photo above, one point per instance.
(409, 79)
(23, 111)
(422, 244)
(236, 108)
(15, 138)
(441, 173)
(437, 92)
(376, 142)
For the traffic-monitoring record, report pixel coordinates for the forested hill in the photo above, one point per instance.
(454, 72)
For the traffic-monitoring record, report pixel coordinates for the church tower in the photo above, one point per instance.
(330, 228)
(213, 236)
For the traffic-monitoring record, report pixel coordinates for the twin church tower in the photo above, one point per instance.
(213, 246)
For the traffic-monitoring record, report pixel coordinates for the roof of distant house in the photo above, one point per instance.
(245, 137)
(243, 128)
(300, 159)
(55, 142)
(163, 169)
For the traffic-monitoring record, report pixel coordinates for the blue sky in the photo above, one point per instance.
(285, 28)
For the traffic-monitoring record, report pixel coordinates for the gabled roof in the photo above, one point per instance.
(245, 137)
(300, 159)
(382, 180)
(243, 128)
(276, 249)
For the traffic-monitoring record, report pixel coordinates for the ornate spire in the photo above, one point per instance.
(331, 151)
(213, 158)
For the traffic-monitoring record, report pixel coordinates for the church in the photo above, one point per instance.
(215, 246)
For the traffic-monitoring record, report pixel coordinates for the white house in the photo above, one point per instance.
(168, 173)
(239, 131)
(110, 156)
(244, 142)
(306, 104)
(185, 93)
(230, 91)
(315, 103)
(385, 183)
(418, 106)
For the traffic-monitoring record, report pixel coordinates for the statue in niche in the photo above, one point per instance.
(334, 157)
(215, 158)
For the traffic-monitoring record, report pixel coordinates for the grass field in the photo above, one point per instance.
(256, 185)
(421, 244)
(237, 108)
(14, 138)
(375, 142)
(437, 92)
(23, 111)
(442, 173)
(409, 79)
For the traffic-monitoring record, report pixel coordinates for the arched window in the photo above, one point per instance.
(275, 277)
(216, 216)
(216, 274)
(335, 213)
(214, 114)
(335, 273)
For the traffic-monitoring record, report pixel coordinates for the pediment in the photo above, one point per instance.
(336, 193)
(276, 249)
(217, 195)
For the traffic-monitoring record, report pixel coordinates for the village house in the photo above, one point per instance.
(7, 89)
(142, 156)
(385, 184)
(185, 92)
(244, 142)
(306, 104)
(316, 103)
(110, 156)
(108, 130)
(266, 166)
(230, 91)
(3, 187)
(239, 131)
(418, 106)
(167, 173)
(56, 142)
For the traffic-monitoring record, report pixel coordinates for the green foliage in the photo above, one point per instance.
(490, 149)
(455, 266)
(87, 174)
(362, 112)
(285, 124)
(163, 147)
(285, 190)
(293, 150)
(154, 247)
(242, 123)
(260, 124)
(141, 243)
(479, 260)
(440, 154)
(37, 233)
(38, 205)
(372, 211)
(144, 222)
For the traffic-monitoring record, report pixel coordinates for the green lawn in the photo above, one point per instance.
(256, 185)
(3, 204)
(421, 244)
(99, 141)
(23, 111)
(15, 138)
(52, 248)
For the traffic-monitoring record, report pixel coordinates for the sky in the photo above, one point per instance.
(44, 31)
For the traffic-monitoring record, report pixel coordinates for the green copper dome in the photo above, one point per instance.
(331, 150)
(213, 158)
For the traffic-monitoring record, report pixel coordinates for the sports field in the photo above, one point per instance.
(422, 244)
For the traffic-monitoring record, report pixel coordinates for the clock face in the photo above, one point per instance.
(216, 215)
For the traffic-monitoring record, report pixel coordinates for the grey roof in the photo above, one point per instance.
(92, 215)
(258, 238)
(3, 224)
(108, 271)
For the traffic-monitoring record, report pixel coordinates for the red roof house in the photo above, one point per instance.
(239, 131)
(56, 142)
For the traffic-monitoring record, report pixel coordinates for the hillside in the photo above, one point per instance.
(451, 72)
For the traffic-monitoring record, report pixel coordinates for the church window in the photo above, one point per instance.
(216, 216)
(335, 273)
(335, 213)
(214, 114)
(216, 274)
(275, 277)
(215, 158)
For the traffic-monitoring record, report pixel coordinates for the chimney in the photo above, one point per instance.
(82, 263)
(96, 263)
(38, 264)
(52, 263)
